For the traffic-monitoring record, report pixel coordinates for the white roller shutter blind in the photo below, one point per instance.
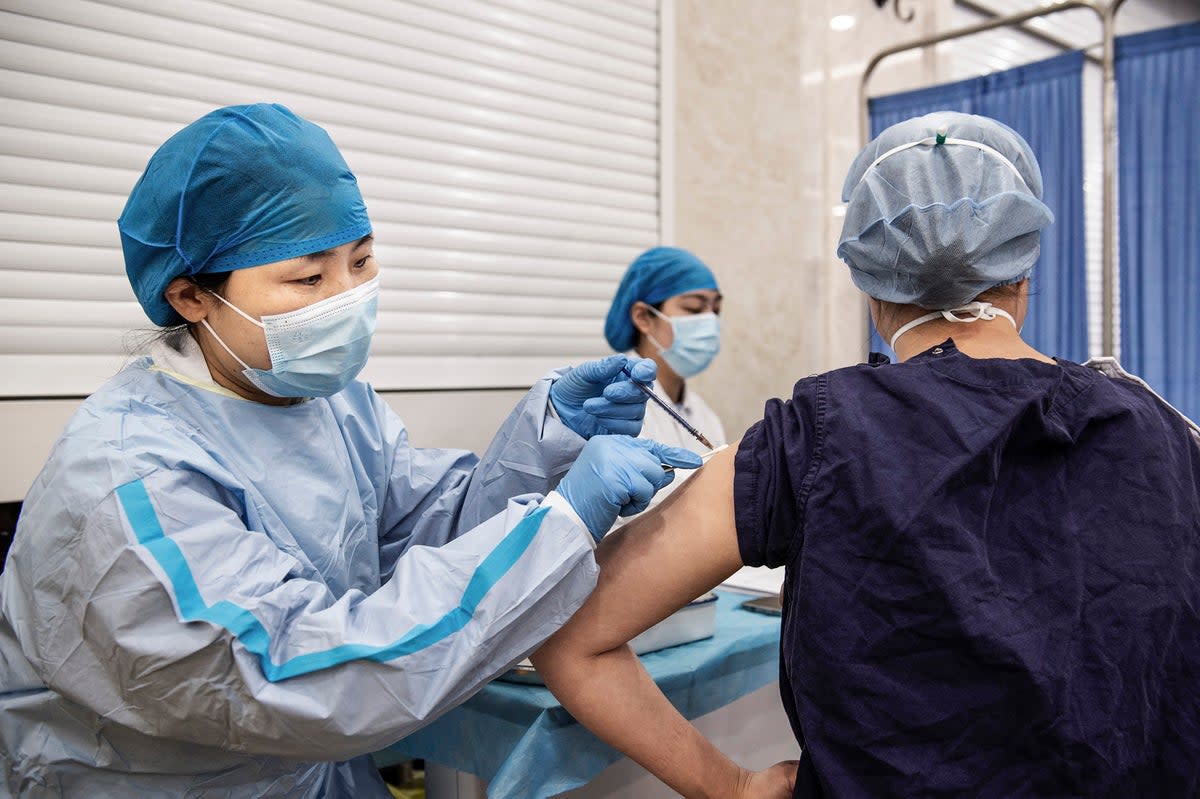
(508, 151)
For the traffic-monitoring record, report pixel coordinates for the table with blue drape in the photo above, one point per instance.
(1158, 140)
(523, 743)
(1042, 102)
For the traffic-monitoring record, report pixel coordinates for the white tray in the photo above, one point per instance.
(693, 622)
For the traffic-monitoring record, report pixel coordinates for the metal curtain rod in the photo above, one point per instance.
(937, 38)
(1108, 226)
(1106, 12)
(1041, 36)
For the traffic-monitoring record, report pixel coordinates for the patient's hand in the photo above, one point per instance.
(776, 782)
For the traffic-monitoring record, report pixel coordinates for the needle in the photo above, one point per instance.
(666, 406)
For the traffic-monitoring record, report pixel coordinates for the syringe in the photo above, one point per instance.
(666, 406)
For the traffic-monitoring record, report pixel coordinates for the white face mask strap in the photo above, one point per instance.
(920, 320)
(242, 313)
(650, 335)
(977, 310)
(213, 333)
(940, 138)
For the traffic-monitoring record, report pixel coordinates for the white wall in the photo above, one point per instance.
(28, 429)
(453, 419)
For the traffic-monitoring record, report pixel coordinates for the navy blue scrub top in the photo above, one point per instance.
(993, 579)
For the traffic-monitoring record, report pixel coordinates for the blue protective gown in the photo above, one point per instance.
(207, 596)
(993, 579)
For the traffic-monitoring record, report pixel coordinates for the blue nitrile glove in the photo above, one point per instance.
(618, 476)
(597, 398)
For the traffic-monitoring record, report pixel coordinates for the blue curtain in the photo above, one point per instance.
(1044, 103)
(1158, 129)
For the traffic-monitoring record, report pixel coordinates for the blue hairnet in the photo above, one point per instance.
(242, 186)
(656, 275)
(937, 224)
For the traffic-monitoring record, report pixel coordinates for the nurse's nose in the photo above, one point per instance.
(339, 282)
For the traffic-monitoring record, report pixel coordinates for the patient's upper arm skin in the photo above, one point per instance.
(661, 561)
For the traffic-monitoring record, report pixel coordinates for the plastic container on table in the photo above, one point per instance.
(693, 622)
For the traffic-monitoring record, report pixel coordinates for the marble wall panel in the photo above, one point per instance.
(766, 125)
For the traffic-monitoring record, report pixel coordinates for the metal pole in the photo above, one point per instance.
(1108, 280)
(1054, 41)
(998, 22)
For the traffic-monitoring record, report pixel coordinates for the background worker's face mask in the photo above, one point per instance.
(697, 341)
(316, 350)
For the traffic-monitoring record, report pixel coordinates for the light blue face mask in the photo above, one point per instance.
(697, 341)
(316, 350)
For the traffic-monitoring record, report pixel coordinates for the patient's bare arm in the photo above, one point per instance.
(649, 569)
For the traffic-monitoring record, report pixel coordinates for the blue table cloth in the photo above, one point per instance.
(525, 744)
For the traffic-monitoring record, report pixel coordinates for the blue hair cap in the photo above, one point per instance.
(242, 186)
(941, 208)
(657, 274)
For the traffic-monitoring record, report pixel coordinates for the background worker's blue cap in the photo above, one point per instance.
(656, 275)
(941, 208)
(242, 186)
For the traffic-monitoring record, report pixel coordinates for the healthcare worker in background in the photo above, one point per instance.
(667, 308)
(234, 577)
(992, 556)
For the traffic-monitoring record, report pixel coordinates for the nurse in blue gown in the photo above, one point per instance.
(235, 577)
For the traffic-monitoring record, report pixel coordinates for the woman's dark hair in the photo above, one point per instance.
(212, 281)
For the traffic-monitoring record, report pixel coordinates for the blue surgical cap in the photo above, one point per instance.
(657, 274)
(242, 186)
(939, 223)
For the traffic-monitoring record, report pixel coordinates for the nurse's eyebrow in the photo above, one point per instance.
(323, 254)
(701, 297)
